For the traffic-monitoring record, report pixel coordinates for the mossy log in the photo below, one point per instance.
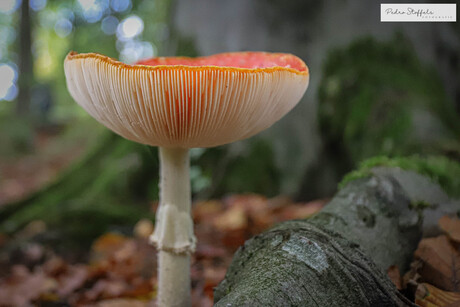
(339, 257)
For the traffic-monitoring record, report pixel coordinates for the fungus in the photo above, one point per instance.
(178, 103)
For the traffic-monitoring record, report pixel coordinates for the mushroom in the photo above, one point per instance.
(178, 103)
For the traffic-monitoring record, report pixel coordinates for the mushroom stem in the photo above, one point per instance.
(173, 235)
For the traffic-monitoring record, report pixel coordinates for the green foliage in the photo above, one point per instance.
(440, 169)
(250, 170)
(186, 47)
(378, 98)
(253, 172)
(100, 182)
(15, 136)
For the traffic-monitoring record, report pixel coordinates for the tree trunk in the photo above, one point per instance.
(25, 61)
(337, 258)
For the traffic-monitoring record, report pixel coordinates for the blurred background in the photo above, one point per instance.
(376, 89)
(72, 192)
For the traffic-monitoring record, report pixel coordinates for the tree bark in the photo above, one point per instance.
(337, 258)
(25, 61)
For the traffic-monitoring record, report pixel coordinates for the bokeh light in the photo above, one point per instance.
(130, 27)
(7, 35)
(93, 10)
(133, 51)
(8, 77)
(87, 4)
(67, 13)
(109, 25)
(9, 6)
(63, 27)
(120, 5)
(37, 5)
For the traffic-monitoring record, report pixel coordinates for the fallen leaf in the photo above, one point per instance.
(209, 251)
(451, 226)
(122, 270)
(301, 211)
(125, 259)
(441, 263)
(54, 266)
(106, 245)
(143, 228)
(429, 296)
(201, 300)
(34, 252)
(395, 276)
(212, 277)
(412, 277)
(233, 219)
(247, 202)
(233, 225)
(122, 302)
(73, 278)
(22, 286)
(106, 289)
(205, 211)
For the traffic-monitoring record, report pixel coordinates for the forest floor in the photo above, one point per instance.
(121, 270)
(50, 150)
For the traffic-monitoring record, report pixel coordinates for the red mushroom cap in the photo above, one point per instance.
(187, 102)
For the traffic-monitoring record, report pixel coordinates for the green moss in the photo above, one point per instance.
(420, 204)
(440, 169)
(186, 47)
(365, 85)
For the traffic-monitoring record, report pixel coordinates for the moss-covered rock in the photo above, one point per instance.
(378, 98)
(441, 170)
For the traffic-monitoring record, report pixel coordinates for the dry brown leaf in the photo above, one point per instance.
(22, 287)
(122, 302)
(73, 278)
(201, 300)
(233, 226)
(412, 277)
(441, 263)
(301, 211)
(233, 219)
(143, 228)
(451, 226)
(205, 211)
(106, 289)
(106, 245)
(212, 277)
(248, 202)
(123, 269)
(209, 251)
(429, 296)
(395, 276)
(126, 260)
(54, 266)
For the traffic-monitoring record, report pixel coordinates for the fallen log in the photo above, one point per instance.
(340, 256)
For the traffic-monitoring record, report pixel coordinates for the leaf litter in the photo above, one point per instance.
(120, 270)
(434, 277)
